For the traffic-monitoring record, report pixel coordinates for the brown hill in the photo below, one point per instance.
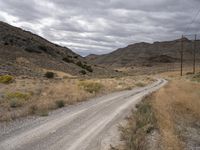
(24, 53)
(146, 54)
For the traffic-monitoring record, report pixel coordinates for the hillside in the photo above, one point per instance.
(24, 53)
(146, 54)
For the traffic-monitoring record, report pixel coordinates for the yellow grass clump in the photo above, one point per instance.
(6, 79)
(17, 99)
(91, 86)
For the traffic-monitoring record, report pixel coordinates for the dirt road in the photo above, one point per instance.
(89, 125)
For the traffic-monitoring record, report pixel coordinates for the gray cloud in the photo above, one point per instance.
(101, 26)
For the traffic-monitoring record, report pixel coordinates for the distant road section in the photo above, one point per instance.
(85, 126)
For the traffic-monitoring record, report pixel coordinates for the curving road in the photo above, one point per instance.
(89, 125)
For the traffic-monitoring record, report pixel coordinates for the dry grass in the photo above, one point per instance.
(176, 113)
(91, 86)
(173, 105)
(164, 114)
(47, 94)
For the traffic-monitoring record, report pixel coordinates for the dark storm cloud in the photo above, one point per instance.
(100, 26)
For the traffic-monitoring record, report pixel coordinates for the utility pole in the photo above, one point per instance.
(182, 56)
(194, 55)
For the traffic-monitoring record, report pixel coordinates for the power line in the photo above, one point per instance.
(193, 20)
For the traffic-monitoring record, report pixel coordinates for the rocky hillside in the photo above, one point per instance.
(146, 54)
(24, 53)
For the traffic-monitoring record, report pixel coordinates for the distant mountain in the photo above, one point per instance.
(146, 54)
(24, 53)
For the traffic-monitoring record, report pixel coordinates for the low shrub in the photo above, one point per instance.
(189, 73)
(60, 103)
(49, 75)
(83, 72)
(6, 79)
(68, 60)
(88, 68)
(43, 48)
(17, 99)
(32, 49)
(43, 112)
(140, 84)
(91, 87)
(139, 125)
(6, 43)
(84, 66)
(33, 109)
(16, 103)
(196, 77)
(80, 64)
(128, 88)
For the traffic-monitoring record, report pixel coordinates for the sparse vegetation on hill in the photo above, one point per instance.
(146, 54)
(16, 43)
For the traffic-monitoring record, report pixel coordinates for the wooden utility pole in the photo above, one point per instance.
(182, 55)
(194, 55)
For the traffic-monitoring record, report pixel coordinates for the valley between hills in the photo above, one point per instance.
(131, 98)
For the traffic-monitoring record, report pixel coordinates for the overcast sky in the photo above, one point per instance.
(101, 26)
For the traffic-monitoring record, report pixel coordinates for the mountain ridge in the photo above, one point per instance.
(144, 54)
(25, 53)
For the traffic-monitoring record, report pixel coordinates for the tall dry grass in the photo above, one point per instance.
(48, 94)
(177, 101)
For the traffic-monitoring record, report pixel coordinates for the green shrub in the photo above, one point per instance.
(68, 60)
(33, 109)
(140, 84)
(189, 73)
(49, 75)
(83, 72)
(88, 68)
(43, 48)
(32, 49)
(6, 79)
(6, 43)
(128, 88)
(43, 112)
(91, 87)
(196, 77)
(60, 103)
(139, 125)
(16, 103)
(17, 99)
(84, 66)
(79, 63)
